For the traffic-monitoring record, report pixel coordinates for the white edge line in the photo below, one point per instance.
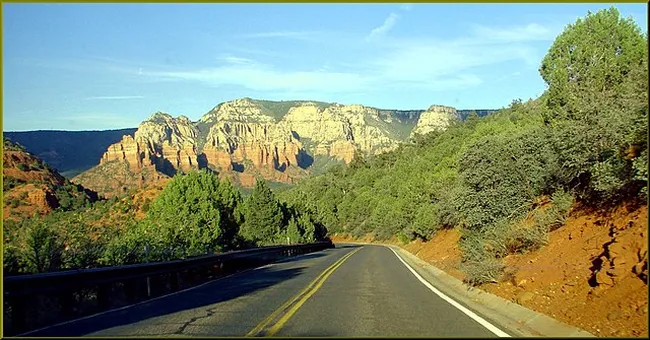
(153, 299)
(460, 307)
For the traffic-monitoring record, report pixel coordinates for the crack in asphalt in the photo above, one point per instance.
(209, 313)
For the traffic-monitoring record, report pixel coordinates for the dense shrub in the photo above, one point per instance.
(585, 138)
(504, 174)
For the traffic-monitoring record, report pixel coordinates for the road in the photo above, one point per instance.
(350, 290)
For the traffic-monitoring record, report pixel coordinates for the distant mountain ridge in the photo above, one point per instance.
(247, 138)
(69, 152)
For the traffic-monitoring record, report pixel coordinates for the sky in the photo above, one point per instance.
(110, 66)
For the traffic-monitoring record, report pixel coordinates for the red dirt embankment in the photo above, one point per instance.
(592, 274)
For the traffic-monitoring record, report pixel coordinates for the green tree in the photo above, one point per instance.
(82, 250)
(590, 59)
(231, 216)
(358, 160)
(310, 229)
(129, 247)
(44, 248)
(597, 73)
(294, 234)
(187, 215)
(262, 215)
(504, 174)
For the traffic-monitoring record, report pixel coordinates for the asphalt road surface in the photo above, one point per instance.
(351, 290)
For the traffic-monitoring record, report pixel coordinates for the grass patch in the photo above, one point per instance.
(484, 271)
(279, 109)
(74, 172)
(396, 129)
(322, 163)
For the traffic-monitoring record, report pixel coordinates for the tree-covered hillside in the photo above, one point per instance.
(195, 214)
(509, 178)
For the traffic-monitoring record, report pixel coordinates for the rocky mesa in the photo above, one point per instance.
(246, 138)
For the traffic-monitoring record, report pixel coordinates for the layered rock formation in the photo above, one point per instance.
(436, 117)
(338, 130)
(264, 144)
(245, 138)
(167, 143)
(128, 150)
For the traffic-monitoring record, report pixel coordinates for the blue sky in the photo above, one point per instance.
(106, 66)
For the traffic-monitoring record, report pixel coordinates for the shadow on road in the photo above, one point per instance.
(304, 257)
(212, 293)
(346, 245)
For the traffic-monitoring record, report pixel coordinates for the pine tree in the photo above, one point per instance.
(230, 211)
(188, 215)
(294, 234)
(262, 215)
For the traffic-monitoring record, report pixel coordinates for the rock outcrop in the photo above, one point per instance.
(338, 130)
(167, 143)
(31, 186)
(264, 144)
(161, 147)
(436, 117)
(245, 138)
(126, 150)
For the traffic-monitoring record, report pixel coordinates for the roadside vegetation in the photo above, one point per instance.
(507, 179)
(195, 214)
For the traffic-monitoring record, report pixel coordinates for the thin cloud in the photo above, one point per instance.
(115, 97)
(95, 65)
(262, 77)
(236, 60)
(455, 82)
(422, 59)
(281, 34)
(388, 24)
(508, 76)
(391, 62)
(106, 120)
(400, 71)
(530, 32)
(257, 52)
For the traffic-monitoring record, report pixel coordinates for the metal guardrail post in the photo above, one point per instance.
(103, 296)
(131, 290)
(18, 313)
(66, 300)
(175, 281)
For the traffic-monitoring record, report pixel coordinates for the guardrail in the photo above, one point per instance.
(39, 300)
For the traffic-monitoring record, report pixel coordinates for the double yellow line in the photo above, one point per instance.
(292, 305)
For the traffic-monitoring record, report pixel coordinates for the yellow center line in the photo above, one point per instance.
(275, 328)
(316, 282)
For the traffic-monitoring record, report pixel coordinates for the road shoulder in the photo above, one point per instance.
(513, 318)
